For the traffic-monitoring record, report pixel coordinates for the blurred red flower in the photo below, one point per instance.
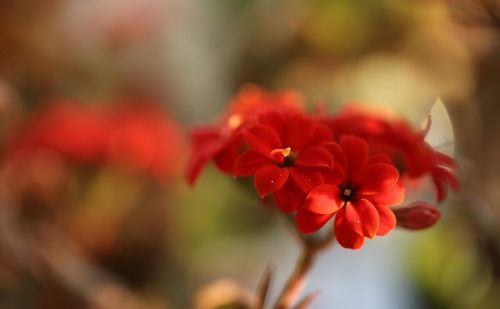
(134, 134)
(144, 138)
(406, 146)
(285, 155)
(77, 134)
(222, 142)
(358, 192)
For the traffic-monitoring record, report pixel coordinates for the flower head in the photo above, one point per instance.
(396, 138)
(286, 155)
(223, 141)
(357, 192)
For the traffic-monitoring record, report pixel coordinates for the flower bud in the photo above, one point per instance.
(417, 216)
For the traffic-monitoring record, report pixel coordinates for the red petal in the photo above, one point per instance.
(442, 159)
(346, 237)
(274, 120)
(278, 155)
(338, 155)
(226, 158)
(441, 190)
(394, 196)
(324, 199)
(201, 135)
(334, 177)
(321, 134)
(306, 178)
(249, 163)
(387, 220)
(377, 178)
(447, 175)
(452, 180)
(380, 158)
(298, 131)
(309, 222)
(194, 167)
(315, 157)
(262, 139)
(356, 153)
(363, 217)
(205, 146)
(289, 198)
(270, 178)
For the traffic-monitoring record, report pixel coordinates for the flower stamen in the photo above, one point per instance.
(347, 192)
(284, 156)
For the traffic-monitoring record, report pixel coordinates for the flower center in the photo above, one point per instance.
(285, 156)
(347, 192)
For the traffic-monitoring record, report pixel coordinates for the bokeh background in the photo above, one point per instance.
(115, 226)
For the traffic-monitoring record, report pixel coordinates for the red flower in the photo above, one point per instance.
(222, 142)
(143, 138)
(77, 134)
(136, 135)
(358, 192)
(286, 157)
(406, 146)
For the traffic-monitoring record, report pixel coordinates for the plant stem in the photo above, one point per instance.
(296, 281)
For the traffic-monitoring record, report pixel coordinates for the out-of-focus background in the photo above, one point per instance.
(105, 220)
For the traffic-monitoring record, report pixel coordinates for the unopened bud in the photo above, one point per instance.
(417, 216)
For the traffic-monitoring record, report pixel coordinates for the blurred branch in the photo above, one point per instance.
(493, 12)
(263, 289)
(482, 13)
(42, 250)
(295, 284)
(306, 301)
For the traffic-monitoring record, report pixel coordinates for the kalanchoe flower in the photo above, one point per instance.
(144, 138)
(286, 155)
(77, 134)
(133, 133)
(406, 146)
(417, 215)
(358, 193)
(222, 142)
(351, 167)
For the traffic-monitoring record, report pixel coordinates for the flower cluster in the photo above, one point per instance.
(350, 167)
